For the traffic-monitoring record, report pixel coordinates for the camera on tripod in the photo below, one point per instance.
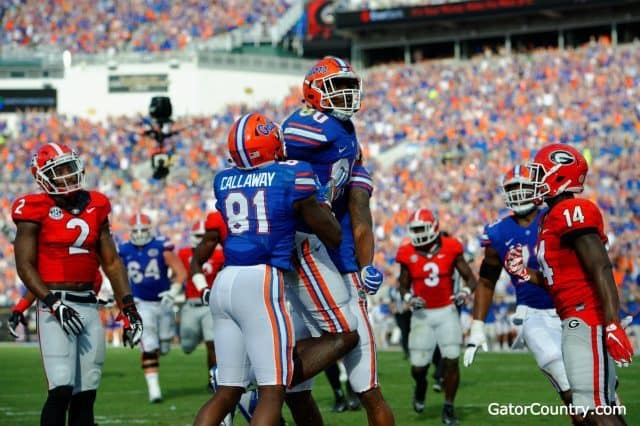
(160, 128)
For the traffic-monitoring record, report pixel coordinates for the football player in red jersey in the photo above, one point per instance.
(196, 323)
(427, 266)
(63, 235)
(577, 271)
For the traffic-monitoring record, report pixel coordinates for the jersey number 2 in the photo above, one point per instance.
(76, 246)
(237, 207)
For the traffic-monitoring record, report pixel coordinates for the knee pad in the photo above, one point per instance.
(165, 345)
(555, 372)
(150, 360)
(450, 351)
(420, 358)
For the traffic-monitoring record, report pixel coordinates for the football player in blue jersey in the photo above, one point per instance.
(148, 259)
(261, 199)
(329, 285)
(539, 327)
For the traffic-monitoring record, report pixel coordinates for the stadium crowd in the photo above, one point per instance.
(462, 125)
(141, 25)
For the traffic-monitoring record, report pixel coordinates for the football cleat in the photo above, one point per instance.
(448, 418)
(340, 406)
(418, 406)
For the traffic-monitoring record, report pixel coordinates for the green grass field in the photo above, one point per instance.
(122, 397)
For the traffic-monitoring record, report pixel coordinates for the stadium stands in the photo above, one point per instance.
(142, 25)
(459, 125)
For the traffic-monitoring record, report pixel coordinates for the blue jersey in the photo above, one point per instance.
(344, 257)
(327, 144)
(257, 206)
(503, 234)
(147, 270)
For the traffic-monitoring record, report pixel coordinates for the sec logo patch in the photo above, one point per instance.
(152, 252)
(55, 213)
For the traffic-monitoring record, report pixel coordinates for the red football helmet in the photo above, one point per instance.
(518, 190)
(558, 168)
(57, 169)
(255, 140)
(332, 86)
(197, 232)
(140, 228)
(423, 228)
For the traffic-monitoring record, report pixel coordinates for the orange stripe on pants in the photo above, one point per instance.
(274, 325)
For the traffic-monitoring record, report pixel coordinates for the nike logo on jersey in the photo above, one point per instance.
(440, 256)
(89, 210)
(341, 149)
(508, 242)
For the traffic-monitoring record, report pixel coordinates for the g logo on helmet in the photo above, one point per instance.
(562, 157)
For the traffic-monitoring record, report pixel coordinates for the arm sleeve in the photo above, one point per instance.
(28, 208)
(305, 182)
(486, 239)
(215, 221)
(578, 218)
(402, 257)
(360, 178)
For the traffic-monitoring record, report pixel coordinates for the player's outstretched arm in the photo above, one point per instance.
(596, 263)
(490, 270)
(320, 220)
(362, 228)
(201, 253)
(204, 250)
(362, 225)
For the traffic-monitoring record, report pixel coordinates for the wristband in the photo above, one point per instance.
(199, 281)
(21, 306)
(477, 326)
(50, 299)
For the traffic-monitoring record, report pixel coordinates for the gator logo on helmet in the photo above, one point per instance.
(320, 69)
(562, 157)
(265, 129)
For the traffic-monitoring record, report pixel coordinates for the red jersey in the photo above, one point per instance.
(216, 221)
(432, 275)
(66, 243)
(210, 269)
(573, 292)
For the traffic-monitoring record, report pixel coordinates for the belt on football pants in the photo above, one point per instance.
(89, 298)
(194, 302)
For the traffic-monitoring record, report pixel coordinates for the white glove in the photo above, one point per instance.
(462, 296)
(168, 297)
(415, 302)
(199, 281)
(477, 339)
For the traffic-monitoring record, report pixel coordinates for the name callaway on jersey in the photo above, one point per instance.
(247, 181)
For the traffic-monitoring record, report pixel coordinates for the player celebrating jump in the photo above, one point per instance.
(148, 259)
(541, 329)
(62, 237)
(329, 285)
(427, 266)
(576, 269)
(260, 199)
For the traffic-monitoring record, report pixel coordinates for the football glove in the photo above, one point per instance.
(618, 344)
(371, 278)
(414, 302)
(132, 323)
(514, 263)
(168, 297)
(204, 296)
(16, 318)
(477, 340)
(69, 319)
(461, 297)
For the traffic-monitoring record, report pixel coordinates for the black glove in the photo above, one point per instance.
(69, 319)
(132, 328)
(204, 296)
(16, 318)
